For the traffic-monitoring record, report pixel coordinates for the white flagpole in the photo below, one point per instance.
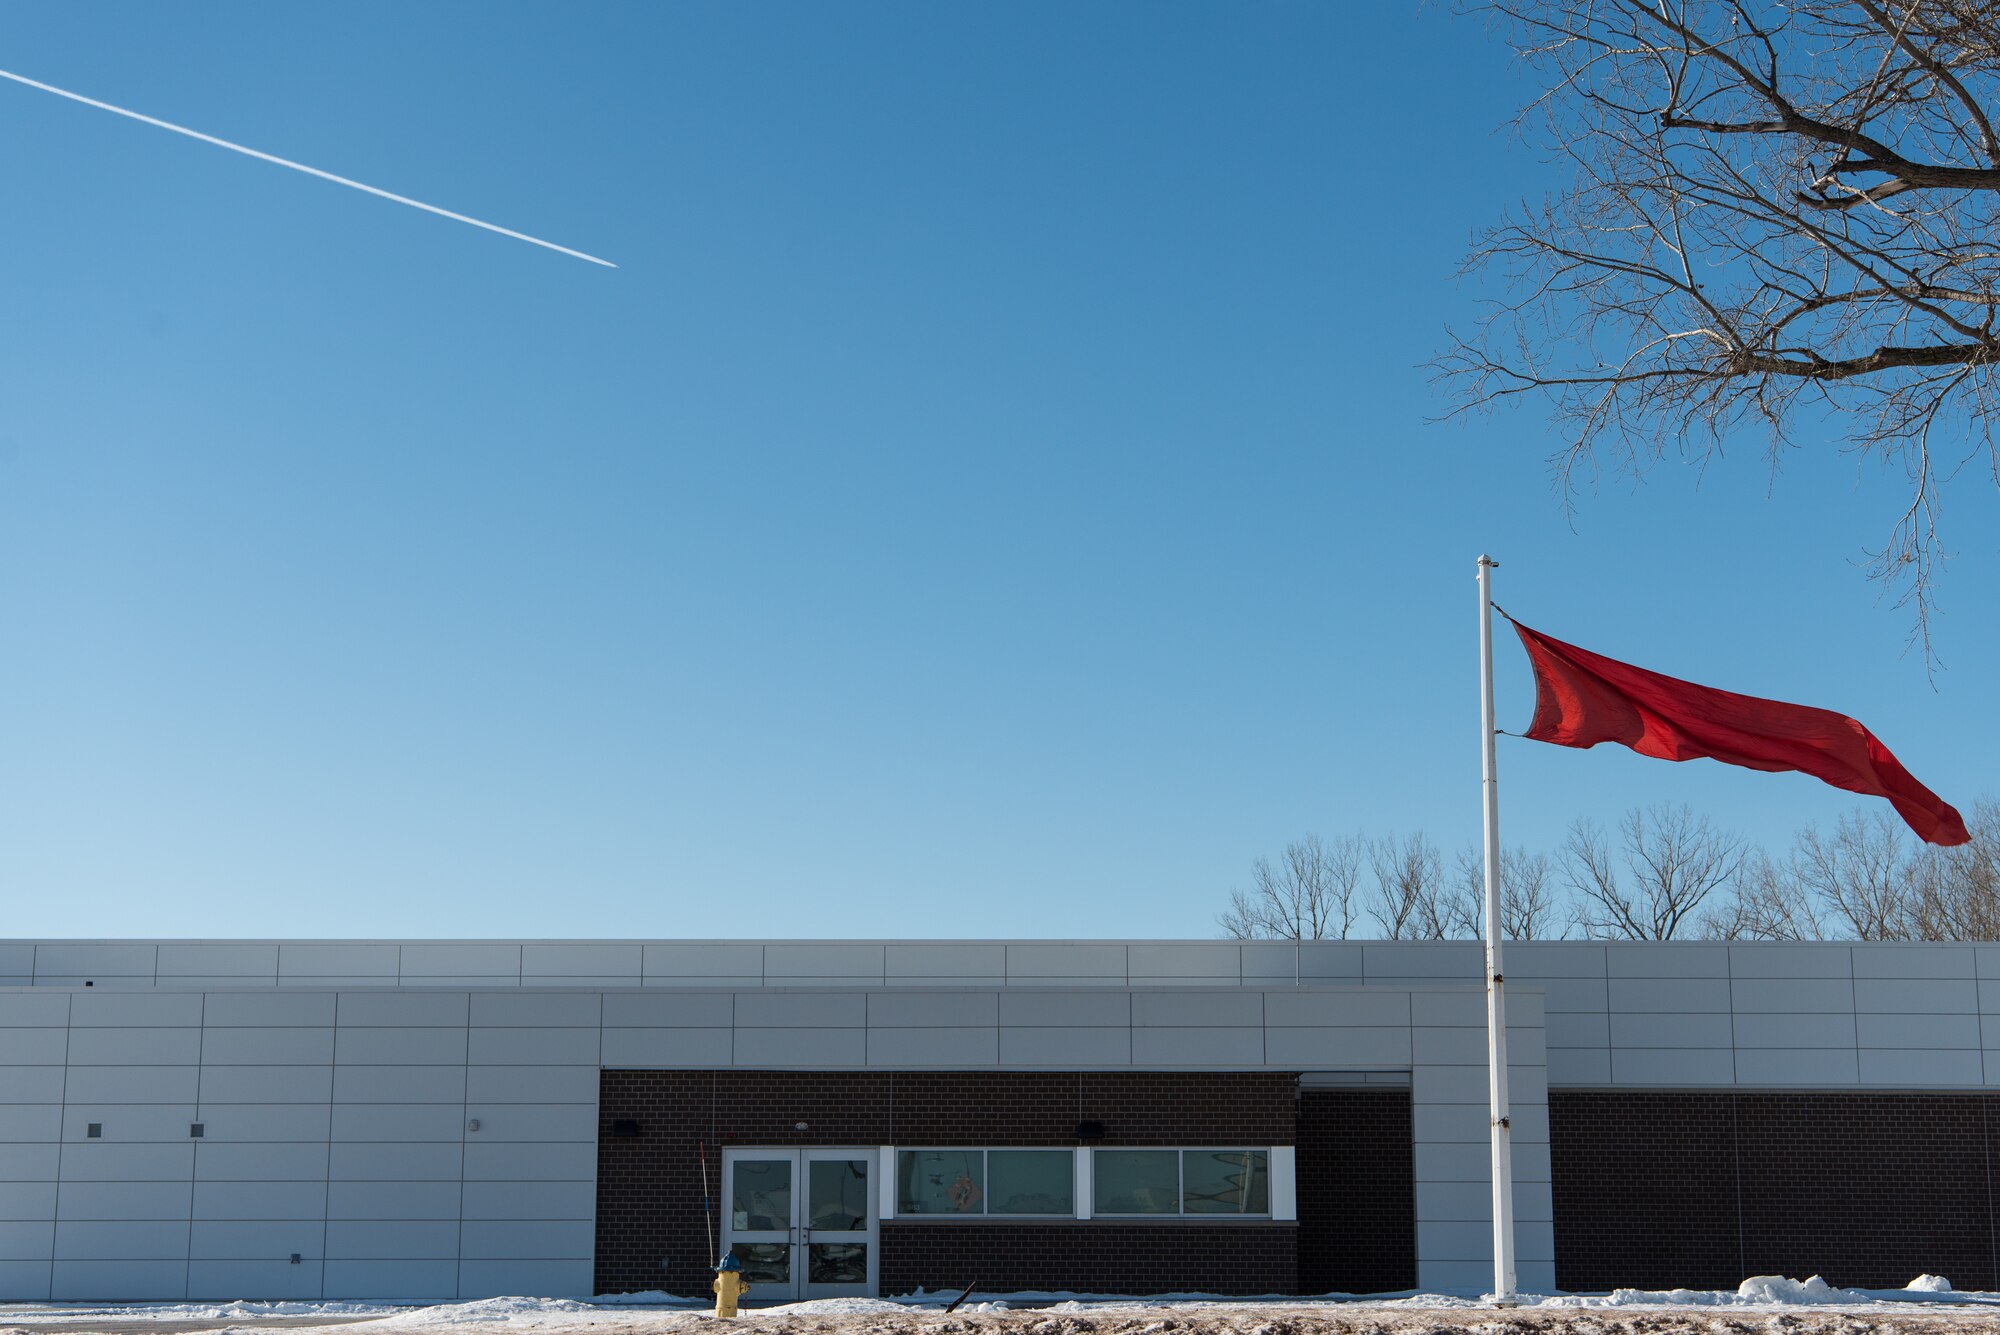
(1496, 1008)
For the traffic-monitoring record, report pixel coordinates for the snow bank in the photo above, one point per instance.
(54, 1313)
(1073, 1300)
(571, 1313)
(648, 1298)
(1778, 1291)
(484, 1312)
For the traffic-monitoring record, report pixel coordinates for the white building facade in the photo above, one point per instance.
(436, 1119)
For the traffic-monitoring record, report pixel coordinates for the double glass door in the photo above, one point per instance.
(802, 1222)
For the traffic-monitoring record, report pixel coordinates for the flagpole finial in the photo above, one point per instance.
(1486, 560)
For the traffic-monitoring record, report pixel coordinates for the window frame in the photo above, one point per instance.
(1280, 1185)
(984, 1152)
(1265, 1213)
(1180, 1210)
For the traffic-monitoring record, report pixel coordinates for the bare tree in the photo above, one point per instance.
(1412, 902)
(1869, 881)
(1770, 904)
(1667, 864)
(1862, 876)
(1530, 909)
(1307, 895)
(1956, 891)
(1313, 891)
(1666, 874)
(1779, 215)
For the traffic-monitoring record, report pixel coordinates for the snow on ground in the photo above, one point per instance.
(1773, 1304)
(45, 1313)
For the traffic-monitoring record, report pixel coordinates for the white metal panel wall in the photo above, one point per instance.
(531, 1167)
(1578, 975)
(1831, 1015)
(34, 1044)
(260, 1169)
(729, 965)
(439, 1143)
(338, 1097)
(334, 1126)
(1451, 1125)
(123, 1203)
(395, 1165)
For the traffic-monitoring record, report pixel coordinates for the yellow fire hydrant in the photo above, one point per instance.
(729, 1286)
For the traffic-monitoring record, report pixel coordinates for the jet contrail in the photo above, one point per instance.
(301, 167)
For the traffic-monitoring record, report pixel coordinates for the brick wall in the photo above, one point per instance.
(1091, 1257)
(1659, 1189)
(650, 1224)
(1357, 1191)
(1867, 1189)
(1645, 1190)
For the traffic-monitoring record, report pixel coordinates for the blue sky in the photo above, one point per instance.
(998, 493)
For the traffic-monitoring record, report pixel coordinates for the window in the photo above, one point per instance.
(1137, 1182)
(1031, 1182)
(986, 1182)
(1225, 1182)
(941, 1182)
(1177, 1182)
(1142, 1183)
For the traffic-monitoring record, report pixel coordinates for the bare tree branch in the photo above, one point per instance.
(1956, 891)
(1667, 863)
(1770, 904)
(1530, 907)
(1667, 873)
(1780, 217)
(1308, 895)
(1861, 874)
(1412, 901)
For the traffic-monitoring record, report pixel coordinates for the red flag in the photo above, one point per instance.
(1582, 699)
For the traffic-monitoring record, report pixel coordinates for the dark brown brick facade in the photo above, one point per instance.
(1645, 1190)
(1357, 1191)
(1091, 1257)
(650, 1226)
(1659, 1189)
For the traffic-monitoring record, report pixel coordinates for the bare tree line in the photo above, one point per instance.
(1666, 873)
